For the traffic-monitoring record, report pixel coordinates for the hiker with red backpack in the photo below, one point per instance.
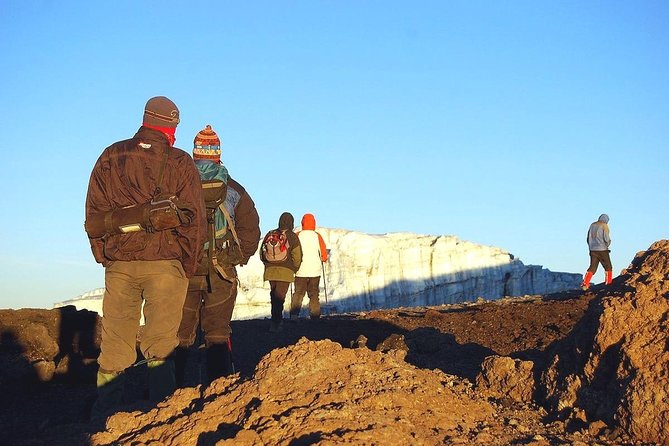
(599, 241)
(307, 278)
(233, 232)
(281, 254)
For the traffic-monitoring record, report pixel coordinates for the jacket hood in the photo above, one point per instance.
(309, 222)
(603, 218)
(210, 170)
(286, 221)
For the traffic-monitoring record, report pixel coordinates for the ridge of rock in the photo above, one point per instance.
(614, 366)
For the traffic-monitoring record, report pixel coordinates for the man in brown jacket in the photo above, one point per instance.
(144, 267)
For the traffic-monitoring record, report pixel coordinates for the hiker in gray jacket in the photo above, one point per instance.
(599, 241)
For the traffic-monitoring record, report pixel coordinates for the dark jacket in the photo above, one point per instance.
(243, 211)
(285, 272)
(127, 174)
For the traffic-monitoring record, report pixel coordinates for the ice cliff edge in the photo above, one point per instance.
(367, 272)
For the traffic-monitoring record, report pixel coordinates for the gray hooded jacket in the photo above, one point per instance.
(598, 234)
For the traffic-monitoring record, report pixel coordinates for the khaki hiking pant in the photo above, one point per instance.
(309, 286)
(212, 309)
(597, 257)
(161, 285)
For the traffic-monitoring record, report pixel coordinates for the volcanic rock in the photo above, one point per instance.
(615, 364)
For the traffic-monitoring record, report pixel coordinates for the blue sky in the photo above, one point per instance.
(507, 123)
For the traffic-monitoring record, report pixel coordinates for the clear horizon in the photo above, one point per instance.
(510, 124)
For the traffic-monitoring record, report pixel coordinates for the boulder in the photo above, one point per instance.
(505, 378)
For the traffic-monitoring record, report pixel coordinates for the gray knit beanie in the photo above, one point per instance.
(161, 112)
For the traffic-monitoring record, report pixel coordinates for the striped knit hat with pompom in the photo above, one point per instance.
(206, 145)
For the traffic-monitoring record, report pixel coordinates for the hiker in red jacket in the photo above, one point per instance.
(307, 278)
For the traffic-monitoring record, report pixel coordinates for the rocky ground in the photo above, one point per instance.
(577, 368)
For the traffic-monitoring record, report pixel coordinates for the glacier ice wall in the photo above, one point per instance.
(367, 272)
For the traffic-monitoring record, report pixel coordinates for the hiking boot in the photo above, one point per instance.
(586, 280)
(110, 386)
(219, 361)
(180, 361)
(162, 379)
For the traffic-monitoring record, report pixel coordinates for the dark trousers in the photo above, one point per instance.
(597, 257)
(309, 286)
(277, 295)
(213, 310)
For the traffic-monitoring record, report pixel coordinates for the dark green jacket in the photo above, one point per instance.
(285, 272)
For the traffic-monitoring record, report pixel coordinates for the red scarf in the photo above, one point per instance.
(167, 131)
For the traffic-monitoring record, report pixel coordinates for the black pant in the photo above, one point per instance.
(213, 310)
(277, 295)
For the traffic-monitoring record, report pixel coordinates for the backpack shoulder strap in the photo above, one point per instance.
(161, 172)
(213, 258)
(231, 223)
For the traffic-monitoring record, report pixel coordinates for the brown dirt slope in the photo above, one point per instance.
(614, 366)
(571, 368)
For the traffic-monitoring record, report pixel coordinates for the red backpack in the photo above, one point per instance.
(275, 246)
